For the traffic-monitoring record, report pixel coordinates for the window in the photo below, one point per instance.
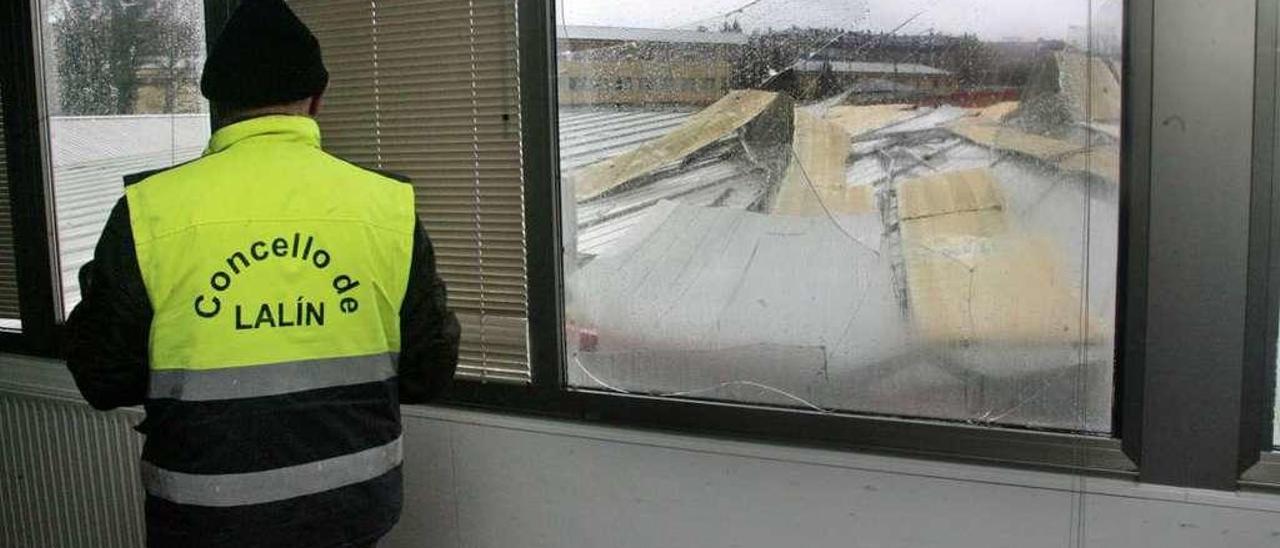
(861, 244)
(928, 229)
(121, 93)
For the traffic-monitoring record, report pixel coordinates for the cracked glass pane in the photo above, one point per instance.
(122, 96)
(891, 207)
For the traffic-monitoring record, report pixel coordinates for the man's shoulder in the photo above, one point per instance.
(135, 178)
(374, 171)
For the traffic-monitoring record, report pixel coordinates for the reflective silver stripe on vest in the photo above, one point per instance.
(269, 380)
(225, 490)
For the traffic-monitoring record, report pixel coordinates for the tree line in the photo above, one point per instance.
(106, 51)
(762, 63)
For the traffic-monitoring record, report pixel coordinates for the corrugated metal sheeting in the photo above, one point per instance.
(91, 155)
(855, 263)
(588, 136)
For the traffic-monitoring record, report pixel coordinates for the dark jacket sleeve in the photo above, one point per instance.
(429, 331)
(107, 333)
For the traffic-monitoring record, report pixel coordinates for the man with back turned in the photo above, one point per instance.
(271, 305)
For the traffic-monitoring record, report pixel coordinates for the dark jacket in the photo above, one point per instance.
(107, 353)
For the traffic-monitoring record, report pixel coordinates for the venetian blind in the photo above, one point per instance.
(428, 88)
(8, 263)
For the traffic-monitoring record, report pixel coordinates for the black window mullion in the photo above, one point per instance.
(539, 140)
(1135, 197)
(1184, 405)
(1264, 266)
(1263, 314)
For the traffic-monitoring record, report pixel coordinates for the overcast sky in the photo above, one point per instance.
(991, 19)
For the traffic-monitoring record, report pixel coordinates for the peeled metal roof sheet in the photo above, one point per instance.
(815, 182)
(971, 278)
(1091, 86)
(1013, 139)
(712, 124)
(1101, 160)
(857, 120)
(952, 192)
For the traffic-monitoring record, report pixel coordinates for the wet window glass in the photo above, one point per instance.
(892, 207)
(121, 93)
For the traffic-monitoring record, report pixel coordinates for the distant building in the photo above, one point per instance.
(585, 37)
(633, 66)
(169, 86)
(870, 77)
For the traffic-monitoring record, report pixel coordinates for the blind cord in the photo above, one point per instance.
(377, 86)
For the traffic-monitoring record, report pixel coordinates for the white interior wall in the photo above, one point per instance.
(487, 480)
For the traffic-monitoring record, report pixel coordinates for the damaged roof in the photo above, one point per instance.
(890, 248)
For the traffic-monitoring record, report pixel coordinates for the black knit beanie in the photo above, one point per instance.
(264, 56)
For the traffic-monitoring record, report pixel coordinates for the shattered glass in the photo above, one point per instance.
(904, 208)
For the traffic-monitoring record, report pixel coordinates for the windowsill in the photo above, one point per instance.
(40, 377)
(45, 378)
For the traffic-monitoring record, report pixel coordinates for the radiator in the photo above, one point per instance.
(68, 475)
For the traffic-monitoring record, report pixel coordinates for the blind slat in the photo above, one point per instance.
(9, 309)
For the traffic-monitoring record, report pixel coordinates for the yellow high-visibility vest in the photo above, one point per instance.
(268, 250)
(273, 269)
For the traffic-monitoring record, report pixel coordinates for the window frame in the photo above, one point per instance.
(33, 220)
(31, 177)
(1190, 412)
(1263, 321)
(549, 394)
(1153, 439)
(1144, 431)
